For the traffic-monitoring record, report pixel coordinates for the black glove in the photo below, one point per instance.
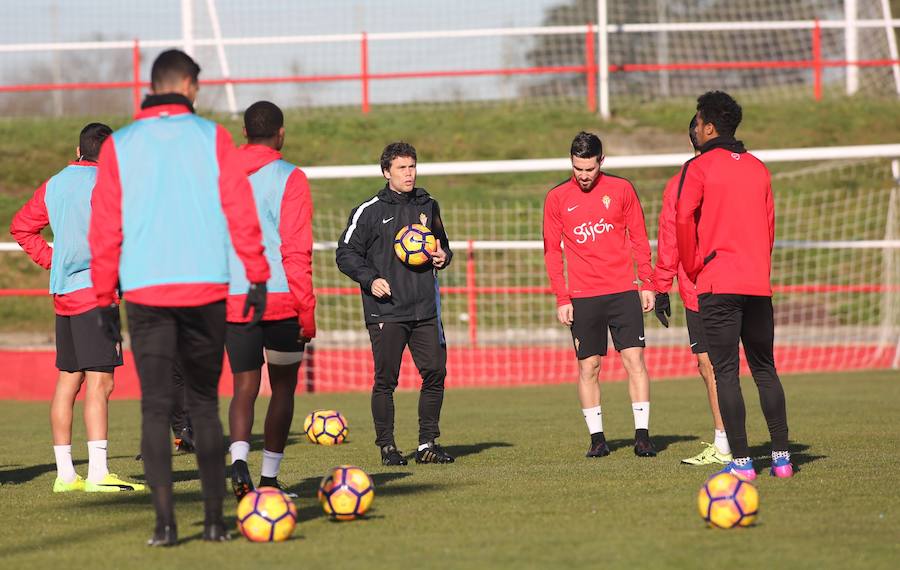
(109, 322)
(663, 308)
(256, 298)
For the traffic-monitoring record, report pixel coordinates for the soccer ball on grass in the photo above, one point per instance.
(346, 492)
(326, 427)
(266, 515)
(727, 502)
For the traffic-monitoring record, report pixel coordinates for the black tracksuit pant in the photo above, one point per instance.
(727, 321)
(429, 351)
(195, 338)
(180, 418)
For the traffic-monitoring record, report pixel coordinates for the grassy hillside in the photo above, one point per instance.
(33, 149)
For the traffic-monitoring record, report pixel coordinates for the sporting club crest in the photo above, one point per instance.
(606, 201)
(424, 219)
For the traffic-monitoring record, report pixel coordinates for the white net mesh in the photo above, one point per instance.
(837, 303)
(534, 49)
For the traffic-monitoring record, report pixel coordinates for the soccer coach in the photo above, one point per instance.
(725, 228)
(402, 304)
(168, 197)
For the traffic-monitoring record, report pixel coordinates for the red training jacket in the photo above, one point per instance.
(667, 262)
(600, 254)
(26, 229)
(295, 230)
(725, 220)
(105, 235)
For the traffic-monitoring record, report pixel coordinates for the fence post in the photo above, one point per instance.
(851, 46)
(310, 369)
(471, 294)
(603, 56)
(364, 71)
(136, 76)
(817, 60)
(590, 67)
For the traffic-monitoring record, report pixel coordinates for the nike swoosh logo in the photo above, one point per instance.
(572, 208)
(120, 487)
(640, 338)
(693, 344)
(383, 221)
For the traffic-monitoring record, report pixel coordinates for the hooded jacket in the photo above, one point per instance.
(64, 203)
(284, 205)
(668, 265)
(725, 220)
(366, 252)
(168, 198)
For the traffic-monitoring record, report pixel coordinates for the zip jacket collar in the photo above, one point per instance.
(164, 104)
(723, 142)
(416, 196)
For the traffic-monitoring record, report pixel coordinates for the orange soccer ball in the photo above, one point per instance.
(415, 244)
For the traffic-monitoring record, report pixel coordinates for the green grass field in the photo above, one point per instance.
(520, 495)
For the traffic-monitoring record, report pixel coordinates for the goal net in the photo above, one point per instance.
(320, 53)
(836, 274)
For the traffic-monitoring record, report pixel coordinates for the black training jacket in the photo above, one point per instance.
(366, 252)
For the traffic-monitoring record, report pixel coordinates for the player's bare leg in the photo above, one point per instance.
(709, 378)
(639, 390)
(589, 396)
(68, 384)
(718, 451)
(67, 387)
(283, 379)
(240, 424)
(98, 388)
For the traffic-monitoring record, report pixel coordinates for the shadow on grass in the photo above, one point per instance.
(662, 442)
(19, 474)
(258, 440)
(308, 506)
(762, 455)
(463, 450)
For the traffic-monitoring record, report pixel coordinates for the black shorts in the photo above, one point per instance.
(245, 344)
(619, 312)
(82, 345)
(696, 333)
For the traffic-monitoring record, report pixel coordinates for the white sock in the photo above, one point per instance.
(65, 470)
(641, 411)
(239, 450)
(271, 463)
(97, 468)
(721, 442)
(593, 417)
(781, 455)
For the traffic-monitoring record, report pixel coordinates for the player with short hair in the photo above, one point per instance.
(285, 210)
(598, 219)
(402, 304)
(725, 228)
(84, 354)
(667, 267)
(169, 197)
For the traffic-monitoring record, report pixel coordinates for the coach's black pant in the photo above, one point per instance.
(195, 338)
(728, 320)
(429, 351)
